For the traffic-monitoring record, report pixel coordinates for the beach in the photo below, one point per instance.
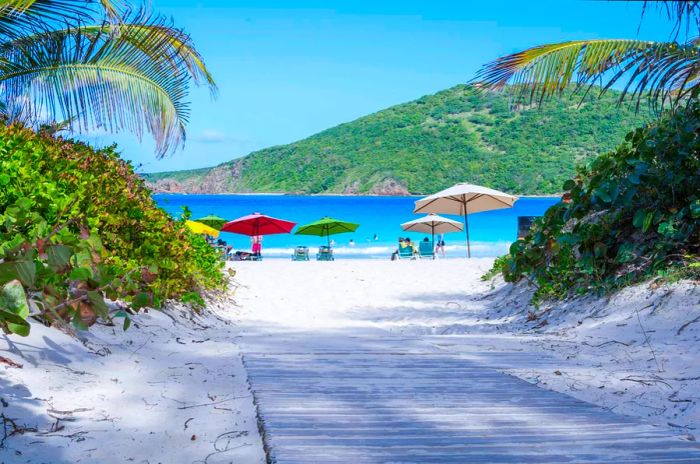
(173, 388)
(379, 220)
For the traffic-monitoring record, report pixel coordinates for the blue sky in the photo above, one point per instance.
(288, 69)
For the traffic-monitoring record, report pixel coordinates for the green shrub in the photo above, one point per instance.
(498, 265)
(78, 226)
(633, 213)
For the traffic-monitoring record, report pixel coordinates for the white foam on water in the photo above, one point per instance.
(478, 249)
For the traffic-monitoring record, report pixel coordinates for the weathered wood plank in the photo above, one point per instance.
(404, 401)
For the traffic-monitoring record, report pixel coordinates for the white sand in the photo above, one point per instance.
(142, 396)
(169, 390)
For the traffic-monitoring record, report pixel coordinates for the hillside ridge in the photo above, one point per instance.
(458, 134)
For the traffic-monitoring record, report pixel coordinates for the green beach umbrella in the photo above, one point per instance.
(213, 221)
(326, 227)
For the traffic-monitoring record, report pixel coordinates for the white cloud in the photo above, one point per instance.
(211, 136)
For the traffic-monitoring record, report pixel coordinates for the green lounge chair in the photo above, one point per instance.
(325, 253)
(301, 253)
(405, 252)
(426, 250)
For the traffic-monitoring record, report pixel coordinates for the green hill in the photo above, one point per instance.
(457, 135)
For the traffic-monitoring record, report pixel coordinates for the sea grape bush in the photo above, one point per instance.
(629, 214)
(77, 227)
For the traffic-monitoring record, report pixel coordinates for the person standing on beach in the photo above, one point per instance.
(256, 241)
(440, 245)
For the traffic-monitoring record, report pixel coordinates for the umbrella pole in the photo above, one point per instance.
(432, 229)
(328, 237)
(466, 228)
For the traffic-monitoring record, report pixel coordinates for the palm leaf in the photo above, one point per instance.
(664, 71)
(151, 36)
(156, 37)
(97, 81)
(682, 14)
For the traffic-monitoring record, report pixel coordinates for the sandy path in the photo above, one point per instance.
(356, 292)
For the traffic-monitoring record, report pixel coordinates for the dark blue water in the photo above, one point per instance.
(491, 232)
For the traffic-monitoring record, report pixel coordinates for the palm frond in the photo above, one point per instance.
(683, 14)
(662, 70)
(97, 80)
(154, 37)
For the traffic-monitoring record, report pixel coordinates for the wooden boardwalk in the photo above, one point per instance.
(375, 398)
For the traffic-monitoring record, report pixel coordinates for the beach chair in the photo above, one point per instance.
(405, 252)
(426, 250)
(301, 253)
(243, 256)
(325, 253)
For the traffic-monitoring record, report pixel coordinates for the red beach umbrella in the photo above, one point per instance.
(258, 224)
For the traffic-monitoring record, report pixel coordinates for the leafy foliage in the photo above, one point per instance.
(97, 64)
(633, 212)
(77, 226)
(460, 134)
(667, 72)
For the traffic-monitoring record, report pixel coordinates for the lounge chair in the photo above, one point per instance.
(405, 252)
(426, 250)
(325, 253)
(245, 256)
(301, 253)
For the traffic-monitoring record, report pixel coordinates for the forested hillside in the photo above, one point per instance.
(458, 135)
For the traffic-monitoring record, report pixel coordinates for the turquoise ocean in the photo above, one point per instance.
(491, 232)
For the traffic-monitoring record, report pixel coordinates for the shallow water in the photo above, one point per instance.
(491, 232)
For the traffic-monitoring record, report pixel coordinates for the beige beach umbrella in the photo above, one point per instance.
(464, 199)
(432, 224)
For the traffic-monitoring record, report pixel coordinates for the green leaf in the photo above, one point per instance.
(8, 272)
(141, 300)
(569, 184)
(80, 273)
(625, 253)
(14, 307)
(127, 319)
(666, 228)
(58, 256)
(603, 194)
(13, 298)
(78, 323)
(14, 323)
(648, 220)
(24, 203)
(26, 270)
(638, 220)
(4, 179)
(98, 304)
